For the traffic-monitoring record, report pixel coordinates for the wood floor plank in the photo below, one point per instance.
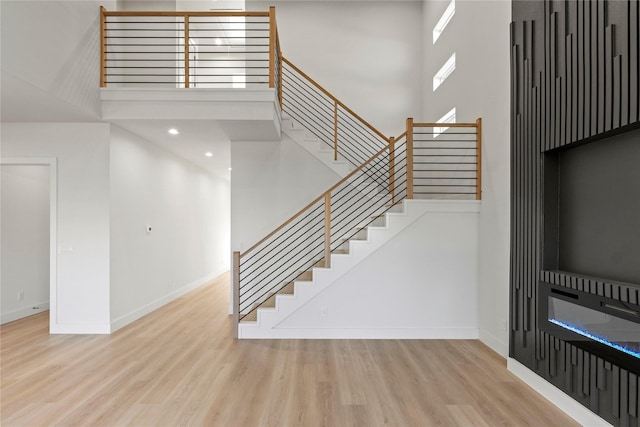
(179, 366)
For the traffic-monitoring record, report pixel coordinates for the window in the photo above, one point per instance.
(444, 71)
(444, 20)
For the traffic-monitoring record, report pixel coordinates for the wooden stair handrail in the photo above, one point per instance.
(336, 100)
(180, 13)
(316, 200)
(445, 125)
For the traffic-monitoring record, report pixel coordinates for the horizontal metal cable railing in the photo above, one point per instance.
(189, 49)
(324, 226)
(446, 160)
(429, 161)
(349, 136)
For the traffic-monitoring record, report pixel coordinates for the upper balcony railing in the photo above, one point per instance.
(242, 50)
(189, 49)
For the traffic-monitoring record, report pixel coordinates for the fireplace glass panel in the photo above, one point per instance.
(615, 332)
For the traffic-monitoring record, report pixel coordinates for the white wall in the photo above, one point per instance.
(270, 182)
(188, 210)
(81, 301)
(25, 240)
(51, 60)
(479, 87)
(421, 284)
(367, 53)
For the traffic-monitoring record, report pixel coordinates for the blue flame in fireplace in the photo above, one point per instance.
(600, 339)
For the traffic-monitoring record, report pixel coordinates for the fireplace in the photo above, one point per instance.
(606, 327)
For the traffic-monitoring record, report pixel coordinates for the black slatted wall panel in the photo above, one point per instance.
(574, 78)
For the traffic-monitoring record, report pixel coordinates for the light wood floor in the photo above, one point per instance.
(179, 366)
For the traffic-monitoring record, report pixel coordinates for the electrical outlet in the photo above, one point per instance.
(504, 325)
(20, 295)
(323, 311)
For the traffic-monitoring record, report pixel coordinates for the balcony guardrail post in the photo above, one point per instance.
(103, 47)
(236, 292)
(327, 229)
(410, 158)
(479, 159)
(272, 46)
(186, 51)
(335, 130)
(280, 70)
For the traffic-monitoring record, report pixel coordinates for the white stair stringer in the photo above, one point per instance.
(313, 145)
(286, 304)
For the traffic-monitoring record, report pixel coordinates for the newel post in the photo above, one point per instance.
(410, 158)
(479, 159)
(272, 46)
(236, 292)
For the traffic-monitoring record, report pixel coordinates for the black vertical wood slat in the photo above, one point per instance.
(624, 394)
(593, 380)
(562, 71)
(514, 158)
(633, 395)
(575, 80)
(521, 225)
(601, 376)
(586, 100)
(545, 352)
(634, 65)
(580, 64)
(553, 79)
(569, 79)
(524, 129)
(608, 82)
(600, 286)
(560, 98)
(624, 294)
(586, 373)
(595, 68)
(602, 78)
(569, 364)
(624, 52)
(620, 96)
(579, 369)
(615, 388)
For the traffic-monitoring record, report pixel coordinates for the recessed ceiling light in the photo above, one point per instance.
(173, 131)
(208, 154)
(229, 168)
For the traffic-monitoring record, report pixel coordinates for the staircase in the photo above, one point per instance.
(380, 175)
(369, 206)
(263, 322)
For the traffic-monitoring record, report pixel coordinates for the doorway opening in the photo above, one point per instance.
(28, 234)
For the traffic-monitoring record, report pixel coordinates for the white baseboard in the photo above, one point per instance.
(556, 396)
(27, 311)
(80, 328)
(143, 311)
(250, 331)
(494, 343)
